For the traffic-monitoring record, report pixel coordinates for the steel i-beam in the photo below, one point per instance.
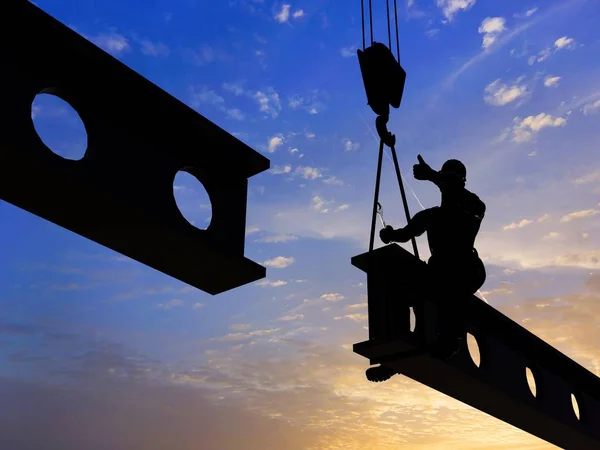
(120, 194)
(498, 386)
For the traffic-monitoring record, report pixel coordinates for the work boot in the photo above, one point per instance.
(380, 373)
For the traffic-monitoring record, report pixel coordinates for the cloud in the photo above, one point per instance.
(312, 103)
(564, 43)
(498, 93)
(451, 7)
(236, 88)
(112, 42)
(579, 215)
(279, 262)
(515, 225)
(267, 283)
(348, 52)
(318, 204)
(591, 108)
(292, 318)
(277, 239)
(334, 181)
(333, 297)
(350, 146)
(274, 143)
(309, 173)
(198, 305)
(268, 102)
(252, 230)
(278, 170)
(551, 235)
(175, 303)
(203, 95)
(551, 81)
(157, 49)
(298, 14)
(524, 130)
(284, 14)
(491, 28)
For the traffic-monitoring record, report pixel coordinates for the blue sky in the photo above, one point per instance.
(511, 88)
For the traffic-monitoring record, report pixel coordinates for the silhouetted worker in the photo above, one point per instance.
(455, 269)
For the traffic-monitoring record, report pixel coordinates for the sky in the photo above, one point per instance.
(98, 351)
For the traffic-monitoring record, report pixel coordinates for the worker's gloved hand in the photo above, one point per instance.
(422, 170)
(386, 234)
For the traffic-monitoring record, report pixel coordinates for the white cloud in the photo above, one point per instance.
(273, 284)
(252, 230)
(350, 146)
(541, 56)
(277, 170)
(284, 14)
(198, 305)
(348, 52)
(318, 204)
(279, 262)
(432, 32)
(278, 238)
(236, 88)
(332, 297)
(268, 102)
(591, 108)
(343, 207)
(551, 235)
(112, 42)
(451, 7)
(235, 113)
(292, 318)
(309, 173)
(524, 130)
(564, 42)
(202, 94)
(333, 181)
(298, 14)
(491, 28)
(498, 94)
(551, 81)
(515, 225)
(170, 304)
(579, 215)
(154, 49)
(274, 143)
(530, 12)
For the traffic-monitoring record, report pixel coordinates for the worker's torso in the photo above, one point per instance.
(451, 232)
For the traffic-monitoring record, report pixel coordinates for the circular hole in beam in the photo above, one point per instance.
(531, 381)
(192, 200)
(59, 126)
(575, 406)
(413, 319)
(473, 349)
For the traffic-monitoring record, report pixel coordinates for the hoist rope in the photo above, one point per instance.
(362, 16)
(387, 13)
(371, 19)
(381, 142)
(397, 38)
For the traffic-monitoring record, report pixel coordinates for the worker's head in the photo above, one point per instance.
(454, 172)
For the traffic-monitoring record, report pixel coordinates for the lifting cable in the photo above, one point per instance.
(386, 138)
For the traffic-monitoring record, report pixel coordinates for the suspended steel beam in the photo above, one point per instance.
(120, 194)
(498, 386)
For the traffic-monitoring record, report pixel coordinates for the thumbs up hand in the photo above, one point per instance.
(422, 170)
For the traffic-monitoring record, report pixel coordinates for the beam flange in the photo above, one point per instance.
(120, 194)
(498, 386)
